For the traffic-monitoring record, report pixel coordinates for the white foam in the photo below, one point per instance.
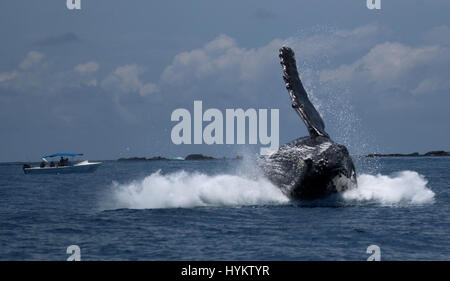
(406, 187)
(183, 189)
(187, 190)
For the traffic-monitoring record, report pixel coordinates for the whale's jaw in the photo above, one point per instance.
(310, 168)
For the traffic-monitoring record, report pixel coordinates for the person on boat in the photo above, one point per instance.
(42, 164)
(52, 164)
(61, 162)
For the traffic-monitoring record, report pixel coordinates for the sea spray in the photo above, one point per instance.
(186, 190)
(183, 189)
(402, 188)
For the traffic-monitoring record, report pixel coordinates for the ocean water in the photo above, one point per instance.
(223, 210)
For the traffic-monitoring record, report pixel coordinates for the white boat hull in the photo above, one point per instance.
(83, 167)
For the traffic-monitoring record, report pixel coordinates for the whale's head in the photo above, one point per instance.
(310, 168)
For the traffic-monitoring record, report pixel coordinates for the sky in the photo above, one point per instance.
(104, 80)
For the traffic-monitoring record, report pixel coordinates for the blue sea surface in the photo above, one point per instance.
(210, 210)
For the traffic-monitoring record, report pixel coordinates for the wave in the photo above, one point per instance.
(186, 190)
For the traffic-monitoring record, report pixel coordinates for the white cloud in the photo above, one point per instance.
(416, 70)
(384, 61)
(92, 83)
(225, 69)
(88, 67)
(6, 76)
(126, 79)
(36, 75)
(222, 63)
(28, 74)
(33, 58)
(220, 59)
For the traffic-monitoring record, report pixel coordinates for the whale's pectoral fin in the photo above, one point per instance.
(300, 100)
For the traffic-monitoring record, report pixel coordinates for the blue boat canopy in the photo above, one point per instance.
(63, 154)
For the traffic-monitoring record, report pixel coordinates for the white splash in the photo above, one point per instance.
(403, 188)
(187, 190)
(183, 189)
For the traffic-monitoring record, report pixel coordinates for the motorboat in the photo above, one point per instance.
(63, 166)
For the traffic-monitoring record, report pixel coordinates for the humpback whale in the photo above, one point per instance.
(311, 167)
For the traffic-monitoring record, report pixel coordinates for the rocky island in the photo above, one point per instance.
(157, 158)
(160, 158)
(198, 157)
(414, 154)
